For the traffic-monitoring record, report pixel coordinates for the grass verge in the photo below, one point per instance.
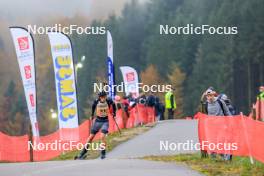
(113, 140)
(212, 167)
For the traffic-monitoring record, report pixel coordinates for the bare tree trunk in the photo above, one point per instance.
(261, 71)
(249, 83)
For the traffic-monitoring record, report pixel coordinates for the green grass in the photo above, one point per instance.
(211, 167)
(113, 140)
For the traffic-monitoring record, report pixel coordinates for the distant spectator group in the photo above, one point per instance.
(129, 102)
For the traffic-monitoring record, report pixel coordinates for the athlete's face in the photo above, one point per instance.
(102, 99)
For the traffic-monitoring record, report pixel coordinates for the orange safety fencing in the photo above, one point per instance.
(237, 135)
(16, 148)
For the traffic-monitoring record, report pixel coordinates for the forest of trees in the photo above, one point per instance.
(232, 64)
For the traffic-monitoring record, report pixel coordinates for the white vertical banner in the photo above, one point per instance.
(130, 78)
(24, 47)
(110, 66)
(61, 50)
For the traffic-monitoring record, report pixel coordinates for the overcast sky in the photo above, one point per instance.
(31, 9)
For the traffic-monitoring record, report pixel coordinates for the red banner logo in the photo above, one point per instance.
(130, 76)
(27, 69)
(32, 101)
(23, 43)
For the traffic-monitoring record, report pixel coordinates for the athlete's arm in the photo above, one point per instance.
(114, 109)
(94, 107)
(110, 103)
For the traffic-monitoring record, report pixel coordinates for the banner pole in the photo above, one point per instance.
(246, 136)
(31, 156)
(137, 115)
(36, 103)
(117, 125)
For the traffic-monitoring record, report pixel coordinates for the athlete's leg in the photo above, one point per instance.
(103, 138)
(86, 146)
(95, 128)
(103, 145)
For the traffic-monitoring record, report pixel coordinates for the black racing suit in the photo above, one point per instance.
(101, 122)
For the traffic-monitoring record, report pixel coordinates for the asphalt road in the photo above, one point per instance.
(122, 160)
(149, 143)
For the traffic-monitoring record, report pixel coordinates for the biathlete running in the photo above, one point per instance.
(101, 107)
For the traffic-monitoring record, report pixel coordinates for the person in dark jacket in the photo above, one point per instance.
(151, 100)
(162, 110)
(159, 109)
